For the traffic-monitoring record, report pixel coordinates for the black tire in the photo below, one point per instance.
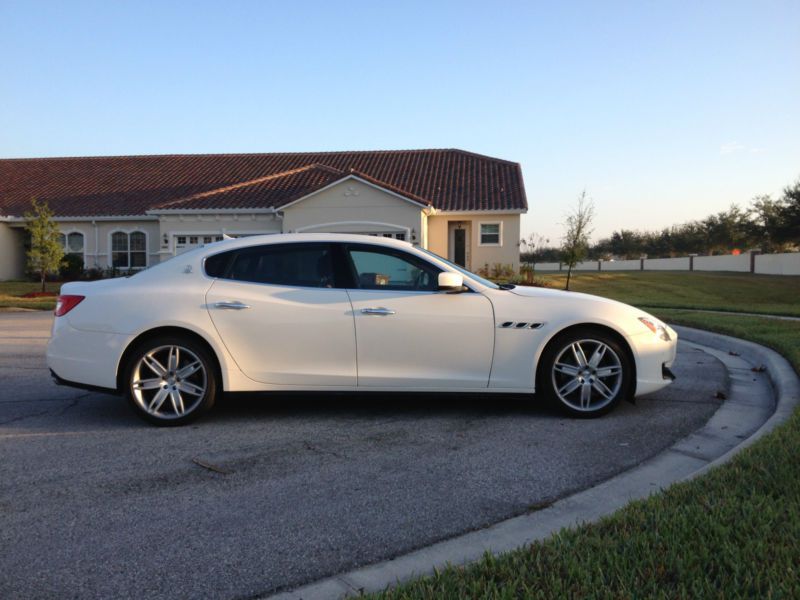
(605, 390)
(180, 384)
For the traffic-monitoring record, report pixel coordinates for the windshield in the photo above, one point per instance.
(462, 270)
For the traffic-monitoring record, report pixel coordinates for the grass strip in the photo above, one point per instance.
(10, 292)
(734, 533)
(733, 292)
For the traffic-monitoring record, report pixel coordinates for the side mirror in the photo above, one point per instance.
(449, 282)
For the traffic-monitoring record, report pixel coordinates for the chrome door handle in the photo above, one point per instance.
(377, 311)
(235, 305)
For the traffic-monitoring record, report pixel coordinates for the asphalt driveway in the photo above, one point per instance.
(272, 492)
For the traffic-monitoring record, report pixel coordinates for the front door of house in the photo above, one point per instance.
(460, 247)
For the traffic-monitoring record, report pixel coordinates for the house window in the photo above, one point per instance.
(72, 243)
(181, 240)
(192, 239)
(129, 250)
(491, 234)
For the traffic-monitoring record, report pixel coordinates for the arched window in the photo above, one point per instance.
(72, 243)
(129, 250)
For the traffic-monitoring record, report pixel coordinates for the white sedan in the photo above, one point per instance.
(323, 312)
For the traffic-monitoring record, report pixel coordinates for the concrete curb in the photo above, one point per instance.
(748, 414)
(782, 376)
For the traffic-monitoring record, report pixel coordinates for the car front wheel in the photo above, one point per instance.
(170, 380)
(586, 372)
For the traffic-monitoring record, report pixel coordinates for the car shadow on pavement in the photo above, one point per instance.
(91, 411)
(369, 405)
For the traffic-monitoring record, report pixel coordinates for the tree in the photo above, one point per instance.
(790, 213)
(626, 244)
(766, 220)
(576, 237)
(47, 252)
(531, 248)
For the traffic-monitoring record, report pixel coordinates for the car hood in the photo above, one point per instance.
(540, 292)
(587, 305)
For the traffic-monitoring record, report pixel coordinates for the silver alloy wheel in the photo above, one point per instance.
(587, 384)
(169, 382)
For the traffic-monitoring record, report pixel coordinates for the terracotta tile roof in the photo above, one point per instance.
(273, 190)
(131, 185)
(265, 192)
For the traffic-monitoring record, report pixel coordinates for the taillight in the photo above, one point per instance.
(64, 304)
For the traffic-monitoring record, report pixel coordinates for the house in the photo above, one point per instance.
(131, 212)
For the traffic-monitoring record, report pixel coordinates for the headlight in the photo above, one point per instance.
(658, 328)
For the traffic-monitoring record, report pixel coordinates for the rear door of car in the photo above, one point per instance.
(281, 316)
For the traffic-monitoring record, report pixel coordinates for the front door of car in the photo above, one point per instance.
(410, 335)
(280, 317)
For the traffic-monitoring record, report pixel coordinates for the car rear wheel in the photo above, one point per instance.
(170, 380)
(585, 373)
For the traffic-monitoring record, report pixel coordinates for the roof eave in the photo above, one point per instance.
(61, 218)
(209, 211)
(485, 211)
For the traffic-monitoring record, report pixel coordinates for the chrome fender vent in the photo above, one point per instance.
(520, 325)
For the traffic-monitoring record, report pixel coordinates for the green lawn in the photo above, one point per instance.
(742, 292)
(11, 290)
(734, 533)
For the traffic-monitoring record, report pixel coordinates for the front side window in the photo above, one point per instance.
(128, 250)
(388, 269)
(462, 270)
(490, 234)
(298, 265)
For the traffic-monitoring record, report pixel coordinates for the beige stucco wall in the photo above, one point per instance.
(352, 206)
(478, 256)
(97, 238)
(349, 206)
(214, 224)
(12, 252)
(437, 234)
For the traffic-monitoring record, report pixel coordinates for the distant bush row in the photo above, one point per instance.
(767, 224)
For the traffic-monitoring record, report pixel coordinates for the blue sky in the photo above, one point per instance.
(663, 112)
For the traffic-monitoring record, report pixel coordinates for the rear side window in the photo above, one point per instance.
(216, 265)
(303, 265)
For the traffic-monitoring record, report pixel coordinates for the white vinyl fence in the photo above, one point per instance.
(766, 264)
(725, 262)
(778, 264)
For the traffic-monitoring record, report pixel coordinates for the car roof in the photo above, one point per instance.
(286, 238)
(197, 255)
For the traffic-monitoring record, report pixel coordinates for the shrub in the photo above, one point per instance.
(93, 273)
(483, 271)
(500, 271)
(71, 267)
